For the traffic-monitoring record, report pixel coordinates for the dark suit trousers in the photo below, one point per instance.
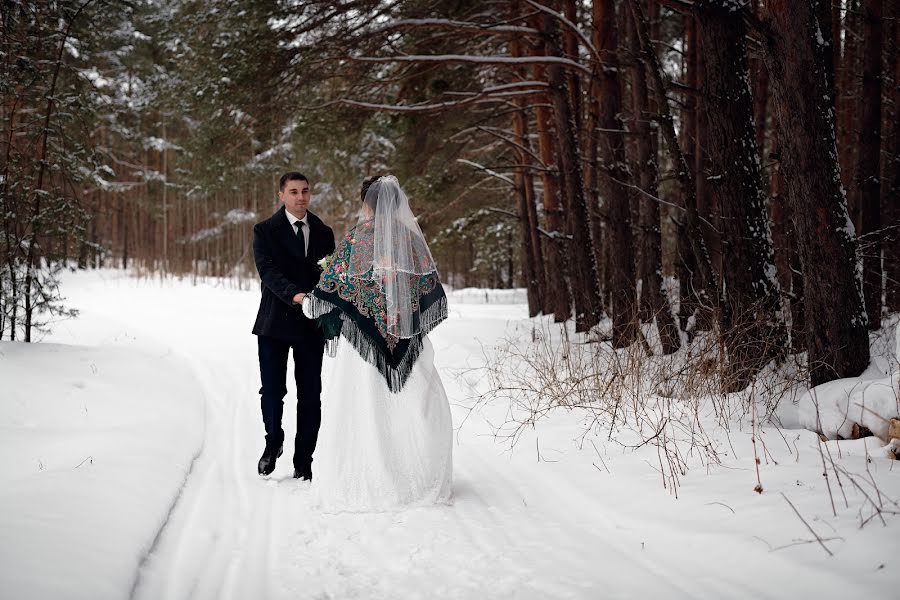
(273, 358)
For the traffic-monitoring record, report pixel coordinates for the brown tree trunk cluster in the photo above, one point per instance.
(756, 196)
(749, 302)
(740, 156)
(836, 323)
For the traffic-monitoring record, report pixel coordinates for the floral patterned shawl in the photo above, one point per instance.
(354, 306)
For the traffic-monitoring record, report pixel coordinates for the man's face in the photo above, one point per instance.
(295, 196)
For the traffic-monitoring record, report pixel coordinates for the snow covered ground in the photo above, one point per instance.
(130, 437)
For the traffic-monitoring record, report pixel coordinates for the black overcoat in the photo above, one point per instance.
(285, 272)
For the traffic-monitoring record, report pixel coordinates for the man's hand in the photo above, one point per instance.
(298, 298)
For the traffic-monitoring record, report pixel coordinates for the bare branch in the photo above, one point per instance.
(818, 538)
(512, 143)
(487, 60)
(562, 18)
(493, 94)
(487, 170)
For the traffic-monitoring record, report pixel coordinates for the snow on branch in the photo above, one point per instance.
(427, 108)
(487, 60)
(488, 28)
(490, 172)
(489, 94)
(499, 134)
(562, 18)
(517, 84)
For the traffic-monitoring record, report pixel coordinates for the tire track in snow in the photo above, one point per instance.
(203, 548)
(154, 545)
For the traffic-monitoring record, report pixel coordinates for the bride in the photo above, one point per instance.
(386, 437)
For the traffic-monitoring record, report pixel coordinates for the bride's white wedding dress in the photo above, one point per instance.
(378, 450)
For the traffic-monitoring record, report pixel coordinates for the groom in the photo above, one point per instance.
(286, 248)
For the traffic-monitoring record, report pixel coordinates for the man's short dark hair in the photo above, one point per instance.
(292, 176)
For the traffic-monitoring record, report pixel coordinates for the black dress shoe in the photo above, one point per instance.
(267, 460)
(305, 473)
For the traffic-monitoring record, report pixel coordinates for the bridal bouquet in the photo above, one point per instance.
(325, 262)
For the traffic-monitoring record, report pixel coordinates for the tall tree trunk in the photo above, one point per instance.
(750, 314)
(890, 191)
(847, 94)
(537, 253)
(835, 45)
(584, 281)
(570, 45)
(124, 218)
(837, 336)
(707, 284)
(11, 239)
(707, 206)
(654, 299)
(614, 176)
(529, 268)
(787, 262)
(823, 14)
(596, 206)
(531, 263)
(558, 300)
(868, 177)
(760, 79)
(164, 159)
(686, 262)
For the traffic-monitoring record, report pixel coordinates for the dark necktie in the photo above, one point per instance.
(301, 237)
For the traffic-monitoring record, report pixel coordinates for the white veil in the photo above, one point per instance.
(396, 254)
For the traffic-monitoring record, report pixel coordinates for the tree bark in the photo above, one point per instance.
(787, 262)
(596, 205)
(847, 83)
(835, 45)
(532, 265)
(584, 281)
(654, 301)
(750, 314)
(614, 177)
(707, 206)
(570, 43)
(558, 300)
(836, 331)
(760, 78)
(868, 181)
(686, 265)
(823, 14)
(890, 191)
(705, 281)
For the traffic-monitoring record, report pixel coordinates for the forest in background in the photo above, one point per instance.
(740, 156)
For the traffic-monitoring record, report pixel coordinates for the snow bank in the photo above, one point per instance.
(834, 407)
(96, 445)
(870, 400)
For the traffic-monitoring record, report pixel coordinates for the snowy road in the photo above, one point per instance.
(519, 527)
(234, 535)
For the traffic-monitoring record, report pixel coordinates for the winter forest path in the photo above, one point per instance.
(523, 523)
(232, 534)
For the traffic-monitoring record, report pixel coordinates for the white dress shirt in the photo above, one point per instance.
(305, 220)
